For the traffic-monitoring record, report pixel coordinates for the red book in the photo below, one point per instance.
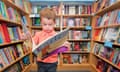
(77, 47)
(111, 56)
(5, 32)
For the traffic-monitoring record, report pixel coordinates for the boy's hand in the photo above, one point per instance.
(67, 44)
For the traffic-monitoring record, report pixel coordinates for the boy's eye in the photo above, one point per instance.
(44, 24)
(50, 24)
(47, 24)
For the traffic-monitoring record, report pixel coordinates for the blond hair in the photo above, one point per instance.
(48, 13)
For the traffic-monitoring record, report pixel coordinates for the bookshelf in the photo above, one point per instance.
(105, 21)
(13, 52)
(100, 10)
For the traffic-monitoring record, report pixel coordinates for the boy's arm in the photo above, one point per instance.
(35, 39)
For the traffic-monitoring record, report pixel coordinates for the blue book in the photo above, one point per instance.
(4, 12)
(0, 8)
(24, 20)
(118, 17)
(15, 33)
(4, 56)
(1, 39)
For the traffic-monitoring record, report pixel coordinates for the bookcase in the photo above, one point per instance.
(14, 54)
(94, 35)
(105, 43)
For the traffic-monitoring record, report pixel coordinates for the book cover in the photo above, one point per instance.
(7, 54)
(1, 39)
(5, 32)
(70, 22)
(118, 17)
(97, 48)
(12, 38)
(58, 38)
(15, 33)
(19, 50)
(3, 9)
(4, 57)
(2, 62)
(75, 58)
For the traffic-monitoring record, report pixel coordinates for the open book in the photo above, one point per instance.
(53, 42)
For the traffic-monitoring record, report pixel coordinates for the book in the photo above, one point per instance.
(53, 42)
(3, 10)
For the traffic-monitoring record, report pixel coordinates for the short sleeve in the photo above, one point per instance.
(36, 38)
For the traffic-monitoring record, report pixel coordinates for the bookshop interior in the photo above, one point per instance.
(91, 27)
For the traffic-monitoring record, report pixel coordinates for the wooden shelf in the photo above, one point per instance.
(95, 68)
(77, 64)
(74, 67)
(11, 43)
(77, 15)
(76, 52)
(27, 67)
(11, 4)
(98, 41)
(40, 28)
(109, 26)
(9, 21)
(75, 27)
(71, 40)
(116, 44)
(72, 28)
(109, 8)
(108, 61)
(37, 15)
(13, 62)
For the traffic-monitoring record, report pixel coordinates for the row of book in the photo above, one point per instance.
(108, 34)
(101, 4)
(80, 46)
(22, 4)
(66, 9)
(105, 67)
(71, 22)
(111, 54)
(76, 9)
(19, 66)
(76, 22)
(11, 13)
(9, 54)
(75, 58)
(36, 21)
(38, 8)
(77, 34)
(9, 34)
(112, 17)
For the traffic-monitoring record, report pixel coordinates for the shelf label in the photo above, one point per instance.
(88, 27)
(108, 44)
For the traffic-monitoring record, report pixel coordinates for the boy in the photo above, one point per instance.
(47, 17)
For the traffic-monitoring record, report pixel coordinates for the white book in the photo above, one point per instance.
(72, 10)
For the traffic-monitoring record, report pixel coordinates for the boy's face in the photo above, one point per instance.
(47, 24)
